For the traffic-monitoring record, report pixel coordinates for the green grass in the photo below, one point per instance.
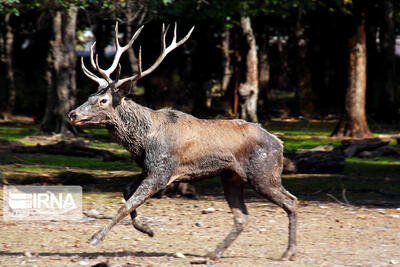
(380, 167)
(104, 145)
(37, 161)
(14, 133)
(302, 143)
(301, 128)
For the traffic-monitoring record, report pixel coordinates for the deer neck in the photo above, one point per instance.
(130, 126)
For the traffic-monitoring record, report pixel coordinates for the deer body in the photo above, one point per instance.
(172, 146)
(195, 148)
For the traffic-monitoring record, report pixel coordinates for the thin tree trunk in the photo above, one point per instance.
(101, 32)
(9, 42)
(226, 60)
(238, 59)
(353, 122)
(387, 42)
(248, 90)
(264, 68)
(301, 77)
(60, 74)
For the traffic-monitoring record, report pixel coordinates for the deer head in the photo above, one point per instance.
(100, 106)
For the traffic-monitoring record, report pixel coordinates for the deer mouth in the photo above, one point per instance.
(85, 121)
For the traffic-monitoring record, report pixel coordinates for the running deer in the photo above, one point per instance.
(172, 146)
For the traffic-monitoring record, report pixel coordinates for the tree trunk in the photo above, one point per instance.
(8, 53)
(102, 35)
(238, 59)
(264, 67)
(60, 74)
(301, 74)
(248, 90)
(226, 60)
(387, 38)
(353, 122)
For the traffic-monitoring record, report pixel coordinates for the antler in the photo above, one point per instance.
(95, 63)
(120, 50)
(164, 51)
(100, 81)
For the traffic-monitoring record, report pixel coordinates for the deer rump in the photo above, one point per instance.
(205, 148)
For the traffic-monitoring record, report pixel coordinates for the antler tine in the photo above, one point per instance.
(92, 55)
(163, 34)
(118, 73)
(140, 61)
(119, 51)
(116, 34)
(102, 72)
(93, 77)
(164, 52)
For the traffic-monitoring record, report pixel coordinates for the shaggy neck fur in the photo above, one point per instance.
(129, 127)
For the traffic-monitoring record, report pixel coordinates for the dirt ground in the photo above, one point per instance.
(329, 234)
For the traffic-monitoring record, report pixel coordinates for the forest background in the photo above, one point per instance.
(255, 60)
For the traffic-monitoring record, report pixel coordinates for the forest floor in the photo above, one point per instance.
(329, 234)
(347, 219)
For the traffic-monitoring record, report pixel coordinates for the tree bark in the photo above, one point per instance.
(102, 32)
(60, 74)
(248, 90)
(301, 74)
(238, 59)
(8, 53)
(387, 38)
(226, 60)
(353, 122)
(264, 69)
(264, 64)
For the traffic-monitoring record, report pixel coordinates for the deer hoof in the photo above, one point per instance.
(142, 227)
(212, 256)
(288, 255)
(96, 238)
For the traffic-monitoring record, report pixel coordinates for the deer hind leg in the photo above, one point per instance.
(268, 185)
(128, 192)
(233, 189)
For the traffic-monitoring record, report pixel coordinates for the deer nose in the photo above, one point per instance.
(72, 116)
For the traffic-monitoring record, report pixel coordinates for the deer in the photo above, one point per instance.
(173, 146)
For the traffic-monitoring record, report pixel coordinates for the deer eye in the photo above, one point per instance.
(103, 101)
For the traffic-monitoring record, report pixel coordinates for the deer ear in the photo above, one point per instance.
(124, 89)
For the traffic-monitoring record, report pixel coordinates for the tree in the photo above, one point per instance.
(353, 122)
(8, 60)
(248, 90)
(387, 37)
(60, 74)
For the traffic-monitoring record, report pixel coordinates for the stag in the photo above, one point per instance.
(172, 146)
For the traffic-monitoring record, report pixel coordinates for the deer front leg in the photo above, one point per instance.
(128, 192)
(149, 186)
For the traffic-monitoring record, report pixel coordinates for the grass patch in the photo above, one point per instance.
(380, 167)
(38, 160)
(307, 143)
(104, 145)
(14, 133)
(302, 128)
